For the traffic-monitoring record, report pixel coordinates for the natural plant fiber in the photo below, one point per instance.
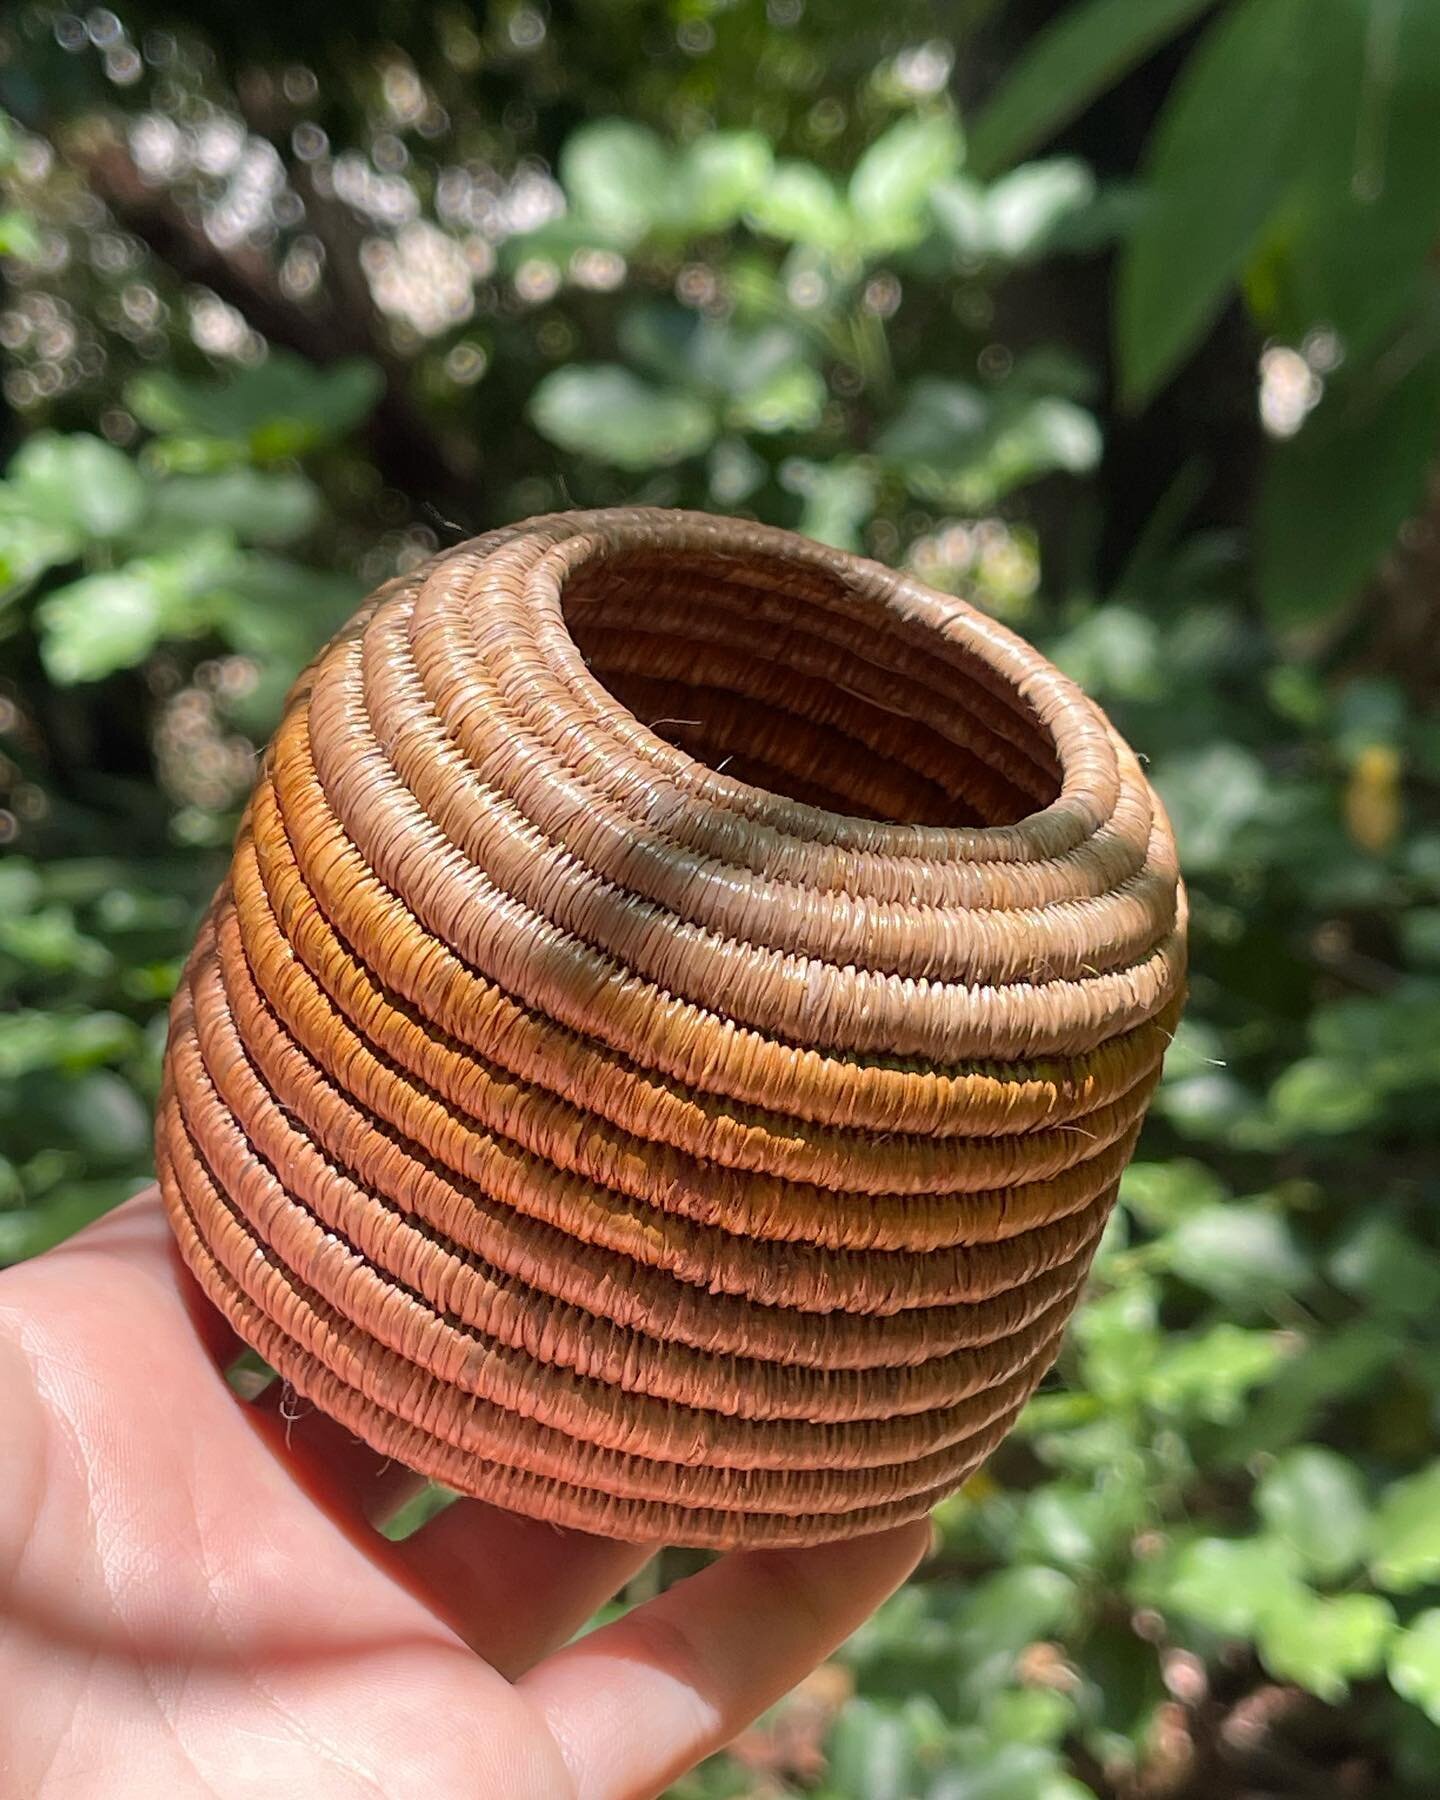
(587, 1090)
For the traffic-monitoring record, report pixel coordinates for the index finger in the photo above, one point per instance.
(638, 1702)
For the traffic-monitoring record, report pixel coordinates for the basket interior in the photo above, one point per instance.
(788, 680)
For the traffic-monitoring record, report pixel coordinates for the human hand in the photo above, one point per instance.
(194, 1599)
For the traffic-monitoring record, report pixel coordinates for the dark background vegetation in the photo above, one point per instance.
(1120, 319)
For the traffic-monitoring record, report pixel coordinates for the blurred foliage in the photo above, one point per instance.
(277, 329)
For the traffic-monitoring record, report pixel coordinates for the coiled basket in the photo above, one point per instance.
(676, 1019)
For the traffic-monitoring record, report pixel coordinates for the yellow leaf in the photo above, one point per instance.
(1372, 798)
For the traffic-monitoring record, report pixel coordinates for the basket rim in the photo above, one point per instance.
(546, 553)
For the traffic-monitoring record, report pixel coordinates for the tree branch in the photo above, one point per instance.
(409, 454)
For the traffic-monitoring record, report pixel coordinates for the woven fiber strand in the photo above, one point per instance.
(669, 1040)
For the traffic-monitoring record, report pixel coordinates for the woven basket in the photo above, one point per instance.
(584, 1091)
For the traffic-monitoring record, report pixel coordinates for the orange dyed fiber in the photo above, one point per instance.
(586, 1090)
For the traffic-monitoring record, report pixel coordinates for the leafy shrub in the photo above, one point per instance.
(779, 271)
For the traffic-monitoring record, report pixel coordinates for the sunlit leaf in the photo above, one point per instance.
(259, 507)
(892, 180)
(618, 175)
(1314, 1499)
(1405, 1537)
(957, 443)
(1389, 1268)
(1214, 793)
(18, 236)
(606, 412)
(78, 484)
(114, 619)
(29, 546)
(869, 1751)
(70, 1042)
(801, 204)
(1230, 1584)
(717, 177)
(1208, 1376)
(1003, 1614)
(1025, 209)
(282, 407)
(1163, 1193)
(1324, 1643)
(838, 498)
(1245, 1255)
(1414, 1665)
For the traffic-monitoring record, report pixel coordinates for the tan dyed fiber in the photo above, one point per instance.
(669, 1040)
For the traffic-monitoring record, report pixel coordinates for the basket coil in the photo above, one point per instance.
(585, 1089)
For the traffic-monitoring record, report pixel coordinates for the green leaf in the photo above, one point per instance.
(717, 177)
(892, 180)
(869, 1752)
(280, 613)
(1004, 1614)
(69, 1042)
(1219, 163)
(1065, 66)
(18, 236)
(99, 624)
(1118, 1334)
(1368, 210)
(1334, 496)
(802, 205)
(113, 620)
(668, 341)
(282, 407)
(760, 379)
(29, 546)
(1115, 652)
(1161, 1194)
(260, 508)
(606, 412)
(1320, 1096)
(938, 425)
(78, 484)
(1391, 1270)
(1034, 437)
(1025, 209)
(1021, 217)
(1338, 1367)
(1314, 1499)
(1209, 1375)
(1324, 1643)
(1246, 1255)
(1414, 1666)
(1215, 793)
(100, 1112)
(839, 498)
(959, 208)
(958, 445)
(734, 472)
(987, 1768)
(618, 176)
(1405, 1538)
(1230, 1584)
(791, 398)
(1079, 1528)
(49, 940)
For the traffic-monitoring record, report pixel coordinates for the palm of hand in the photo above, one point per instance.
(193, 1600)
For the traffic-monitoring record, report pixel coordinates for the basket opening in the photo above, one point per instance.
(786, 680)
